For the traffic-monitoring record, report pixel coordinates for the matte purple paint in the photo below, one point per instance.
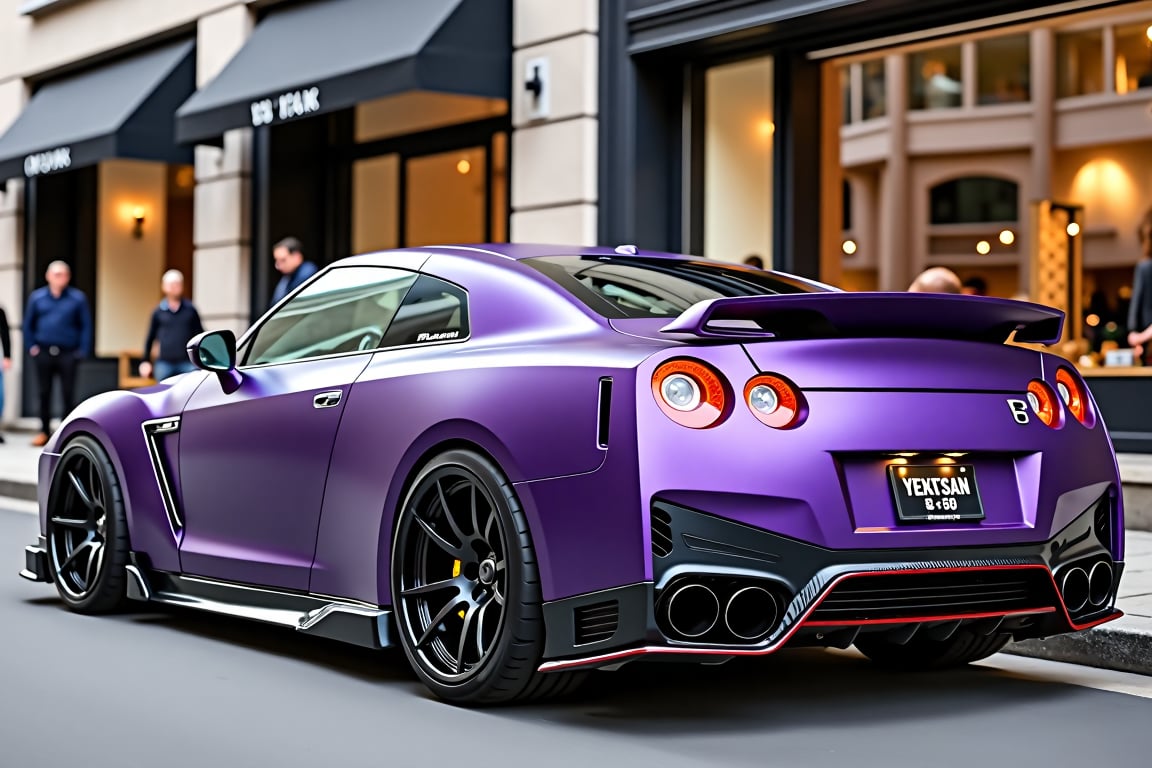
(276, 492)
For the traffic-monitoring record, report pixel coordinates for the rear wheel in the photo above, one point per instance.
(923, 653)
(87, 531)
(466, 588)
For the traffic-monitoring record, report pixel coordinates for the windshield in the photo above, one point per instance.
(639, 287)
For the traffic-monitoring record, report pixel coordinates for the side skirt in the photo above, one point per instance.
(348, 621)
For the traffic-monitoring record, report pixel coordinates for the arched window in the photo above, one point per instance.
(975, 200)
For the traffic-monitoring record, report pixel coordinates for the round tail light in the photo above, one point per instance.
(774, 400)
(690, 393)
(1074, 394)
(1043, 402)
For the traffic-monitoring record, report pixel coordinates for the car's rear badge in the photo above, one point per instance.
(1019, 410)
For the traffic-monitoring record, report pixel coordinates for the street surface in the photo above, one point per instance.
(180, 689)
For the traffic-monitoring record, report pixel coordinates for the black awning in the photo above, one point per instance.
(318, 57)
(123, 109)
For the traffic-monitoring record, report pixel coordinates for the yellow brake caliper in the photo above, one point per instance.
(455, 573)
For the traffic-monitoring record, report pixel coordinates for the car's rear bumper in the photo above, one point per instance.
(828, 597)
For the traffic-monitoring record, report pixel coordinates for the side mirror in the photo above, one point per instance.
(215, 351)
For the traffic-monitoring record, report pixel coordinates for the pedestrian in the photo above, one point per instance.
(57, 334)
(288, 256)
(936, 280)
(753, 260)
(173, 324)
(6, 343)
(1140, 308)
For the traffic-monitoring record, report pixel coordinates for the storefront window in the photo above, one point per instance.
(446, 198)
(375, 190)
(1003, 70)
(1133, 57)
(1079, 63)
(875, 89)
(934, 79)
(739, 129)
(975, 200)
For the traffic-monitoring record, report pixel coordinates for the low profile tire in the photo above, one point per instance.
(466, 588)
(923, 653)
(87, 531)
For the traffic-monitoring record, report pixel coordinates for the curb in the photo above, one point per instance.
(15, 489)
(1121, 648)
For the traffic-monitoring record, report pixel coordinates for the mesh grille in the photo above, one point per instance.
(1102, 523)
(897, 596)
(597, 622)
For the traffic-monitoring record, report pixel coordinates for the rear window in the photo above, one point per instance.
(639, 287)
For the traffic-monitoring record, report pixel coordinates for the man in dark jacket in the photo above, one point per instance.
(288, 256)
(6, 342)
(173, 324)
(57, 334)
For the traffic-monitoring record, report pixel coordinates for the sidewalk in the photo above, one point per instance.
(1124, 645)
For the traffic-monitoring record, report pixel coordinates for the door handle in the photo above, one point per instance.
(327, 399)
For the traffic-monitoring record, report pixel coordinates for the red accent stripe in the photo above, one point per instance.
(615, 656)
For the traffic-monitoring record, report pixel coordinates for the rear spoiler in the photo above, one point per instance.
(840, 314)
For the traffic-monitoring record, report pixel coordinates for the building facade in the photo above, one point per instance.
(138, 136)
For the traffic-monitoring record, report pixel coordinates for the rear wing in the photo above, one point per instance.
(871, 315)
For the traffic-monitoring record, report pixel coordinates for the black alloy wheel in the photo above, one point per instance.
(465, 586)
(87, 533)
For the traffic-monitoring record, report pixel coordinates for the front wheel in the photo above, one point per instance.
(87, 530)
(923, 653)
(466, 588)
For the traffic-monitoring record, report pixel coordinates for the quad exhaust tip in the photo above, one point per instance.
(1100, 580)
(1076, 588)
(751, 613)
(693, 610)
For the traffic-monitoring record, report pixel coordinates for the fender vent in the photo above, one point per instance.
(596, 622)
(661, 533)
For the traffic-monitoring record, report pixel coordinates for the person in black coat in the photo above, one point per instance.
(6, 343)
(1140, 310)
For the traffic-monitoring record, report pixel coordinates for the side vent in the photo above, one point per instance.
(597, 622)
(604, 412)
(661, 533)
(1102, 523)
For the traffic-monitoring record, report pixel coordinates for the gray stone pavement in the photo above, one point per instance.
(1124, 645)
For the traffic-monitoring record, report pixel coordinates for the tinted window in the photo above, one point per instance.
(432, 311)
(633, 286)
(975, 200)
(345, 310)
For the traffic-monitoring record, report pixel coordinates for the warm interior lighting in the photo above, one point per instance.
(1121, 74)
(1007, 237)
(463, 167)
(765, 128)
(1092, 320)
(138, 222)
(983, 247)
(1073, 229)
(1148, 33)
(849, 247)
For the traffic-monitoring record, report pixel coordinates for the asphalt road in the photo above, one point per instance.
(182, 689)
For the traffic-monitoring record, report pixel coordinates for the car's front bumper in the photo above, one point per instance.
(828, 597)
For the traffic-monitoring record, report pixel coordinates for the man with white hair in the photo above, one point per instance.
(174, 322)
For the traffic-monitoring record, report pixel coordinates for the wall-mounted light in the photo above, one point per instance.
(849, 247)
(1073, 229)
(983, 247)
(138, 222)
(463, 167)
(1007, 237)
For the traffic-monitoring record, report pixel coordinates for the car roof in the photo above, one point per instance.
(518, 251)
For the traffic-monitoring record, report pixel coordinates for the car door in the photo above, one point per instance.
(254, 462)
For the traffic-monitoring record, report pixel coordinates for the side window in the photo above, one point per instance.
(346, 310)
(433, 310)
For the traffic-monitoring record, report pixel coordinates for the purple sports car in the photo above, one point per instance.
(520, 463)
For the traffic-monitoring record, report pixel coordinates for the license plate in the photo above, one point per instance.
(943, 493)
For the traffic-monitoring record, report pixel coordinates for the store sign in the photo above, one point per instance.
(286, 106)
(48, 162)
